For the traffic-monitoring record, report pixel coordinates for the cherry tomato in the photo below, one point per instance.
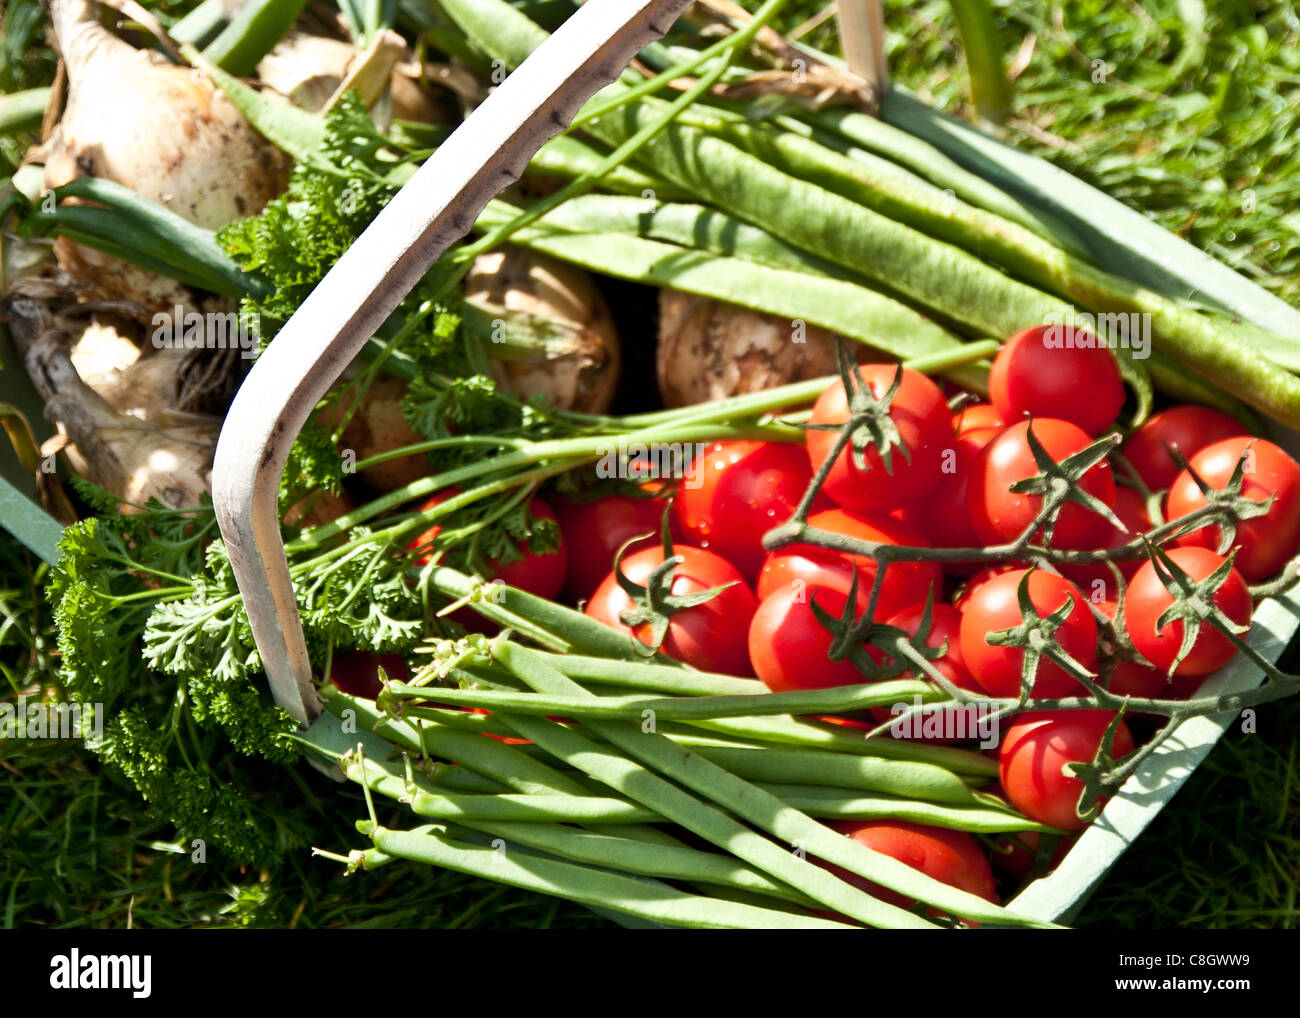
(1000, 515)
(1095, 578)
(977, 417)
(356, 672)
(920, 414)
(951, 857)
(737, 492)
(1057, 371)
(1267, 542)
(806, 566)
(994, 605)
(1186, 428)
(945, 627)
(1129, 678)
(1035, 750)
(942, 517)
(978, 579)
(1147, 599)
(426, 538)
(1013, 855)
(713, 636)
(789, 647)
(509, 740)
(542, 575)
(595, 530)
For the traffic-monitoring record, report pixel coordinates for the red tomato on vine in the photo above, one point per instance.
(916, 428)
(1000, 515)
(807, 566)
(1035, 752)
(736, 492)
(1267, 542)
(595, 530)
(671, 612)
(994, 605)
(1057, 371)
(1148, 599)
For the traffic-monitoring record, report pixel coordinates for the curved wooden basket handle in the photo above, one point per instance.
(435, 209)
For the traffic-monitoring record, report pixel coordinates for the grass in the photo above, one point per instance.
(1191, 116)
(1186, 111)
(1223, 853)
(78, 849)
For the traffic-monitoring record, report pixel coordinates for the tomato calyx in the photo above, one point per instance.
(1113, 636)
(1193, 600)
(1035, 637)
(900, 650)
(1227, 505)
(1058, 482)
(869, 423)
(913, 649)
(850, 633)
(1099, 776)
(655, 603)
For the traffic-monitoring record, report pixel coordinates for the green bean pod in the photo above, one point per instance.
(939, 275)
(935, 274)
(505, 764)
(902, 778)
(671, 863)
(816, 735)
(842, 306)
(631, 707)
(547, 807)
(588, 885)
(23, 111)
(750, 803)
(835, 804)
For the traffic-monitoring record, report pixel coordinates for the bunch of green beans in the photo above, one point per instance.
(602, 789)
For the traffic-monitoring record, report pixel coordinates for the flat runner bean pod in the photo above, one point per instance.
(881, 185)
(855, 311)
(1119, 237)
(569, 157)
(935, 274)
(681, 223)
(939, 275)
(854, 133)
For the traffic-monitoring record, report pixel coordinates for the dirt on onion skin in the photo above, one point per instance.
(555, 301)
(164, 131)
(709, 350)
